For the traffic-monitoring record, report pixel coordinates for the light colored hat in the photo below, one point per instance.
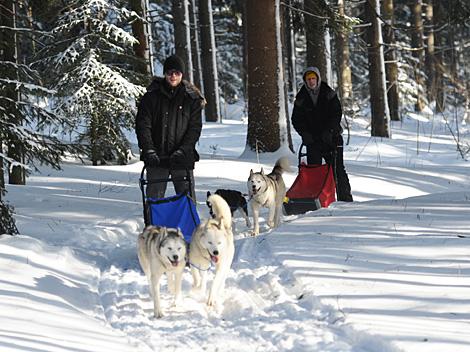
(310, 74)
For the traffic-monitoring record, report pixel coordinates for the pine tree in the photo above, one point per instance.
(87, 61)
(29, 130)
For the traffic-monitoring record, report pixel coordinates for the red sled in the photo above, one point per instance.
(313, 188)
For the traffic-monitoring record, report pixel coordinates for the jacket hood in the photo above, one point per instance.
(312, 69)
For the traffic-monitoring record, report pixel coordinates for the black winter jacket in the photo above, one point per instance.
(315, 120)
(170, 119)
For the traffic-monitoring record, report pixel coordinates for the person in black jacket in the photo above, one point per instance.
(168, 126)
(317, 119)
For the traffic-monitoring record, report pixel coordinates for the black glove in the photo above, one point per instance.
(151, 158)
(307, 138)
(177, 156)
(329, 138)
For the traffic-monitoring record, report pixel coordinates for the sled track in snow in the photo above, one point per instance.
(265, 309)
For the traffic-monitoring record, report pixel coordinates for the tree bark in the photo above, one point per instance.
(16, 174)
(440, 39)
(391, 64)
(344, 67)
(182, 35)
(209, 59)
(380, 114)
(429, 55)
(141, 49)
(418, 44)
(266, 113)
(288, 29)
(195, 48)
(315, 36)
(242, 5)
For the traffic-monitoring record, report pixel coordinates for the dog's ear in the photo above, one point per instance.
(159, 233)
(262, 171)
(208, 194)
(180, 233)
(251, 172)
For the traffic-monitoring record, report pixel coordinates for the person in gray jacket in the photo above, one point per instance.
(168, 126)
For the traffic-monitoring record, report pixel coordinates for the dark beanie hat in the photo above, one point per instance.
(173, 62)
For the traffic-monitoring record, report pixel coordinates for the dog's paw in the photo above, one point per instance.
(271, 224)
(158, 315)
(211, 302)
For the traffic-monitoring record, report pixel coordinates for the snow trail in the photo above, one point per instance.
(263, 304)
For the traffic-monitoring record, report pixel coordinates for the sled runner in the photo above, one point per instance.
(313, 188)
(178, 211)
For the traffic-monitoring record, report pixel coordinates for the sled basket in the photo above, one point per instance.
(178, 211)
(313, 188)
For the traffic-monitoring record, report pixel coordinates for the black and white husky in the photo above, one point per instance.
(235, 200)
(268, 191)
(162, 250)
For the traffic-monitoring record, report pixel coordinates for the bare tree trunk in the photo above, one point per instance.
(440, 39)
(344, 68)
(378, 96)
(266, 115)
(391, 64)
(182, 35)
(2, 171)
(195, 49)
(17, 174)
(418, 44)
(289, 34)
(139, 31)
(430, 49)
(94, 135)
(209, 59)
(315, 36)
(242, 5)
(283, 18)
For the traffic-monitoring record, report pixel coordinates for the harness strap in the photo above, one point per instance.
(195, 266)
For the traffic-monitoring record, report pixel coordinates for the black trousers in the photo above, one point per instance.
(333, 157)
(158, 189)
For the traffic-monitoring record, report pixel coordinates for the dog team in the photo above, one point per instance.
(163, 250)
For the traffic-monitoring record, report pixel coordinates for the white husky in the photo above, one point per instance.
(268, 191)
(162, 250)
(212, 241)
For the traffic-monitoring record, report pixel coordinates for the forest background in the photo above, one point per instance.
(71, 72)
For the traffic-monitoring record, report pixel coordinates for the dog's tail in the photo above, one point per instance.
(282, 165)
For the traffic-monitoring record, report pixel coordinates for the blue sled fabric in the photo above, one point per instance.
(177, 211)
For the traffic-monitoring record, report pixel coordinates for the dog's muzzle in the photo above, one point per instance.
(174, 261)
(214, 256)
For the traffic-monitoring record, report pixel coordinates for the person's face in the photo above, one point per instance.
(173, 77)
(311, 81)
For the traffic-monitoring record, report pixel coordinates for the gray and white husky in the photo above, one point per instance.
(212, 242)
(162, 250)
(268, 191)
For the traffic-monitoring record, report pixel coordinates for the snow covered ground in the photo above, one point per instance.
(389, 272)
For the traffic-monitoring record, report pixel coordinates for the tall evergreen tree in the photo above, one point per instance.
(86, 61)
(380, 115)
(182, 34)
(29, 130)
(391, 66)
(209, 61)
(267, 120)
